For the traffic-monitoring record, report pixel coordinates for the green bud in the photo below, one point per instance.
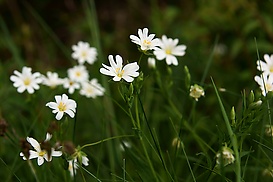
(187, 77)
(251, 97)
(255, 104)
(169, 70)
(131, 89)
(232, 116)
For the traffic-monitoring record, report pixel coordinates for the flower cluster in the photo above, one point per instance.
(265, 80)
(77, 76)
(164, 48)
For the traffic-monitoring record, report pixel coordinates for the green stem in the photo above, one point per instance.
(104, 140)
(232, 136)
(33, 170)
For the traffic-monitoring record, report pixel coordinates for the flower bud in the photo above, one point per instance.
(225, 156)
(232, 116)
(196, 91)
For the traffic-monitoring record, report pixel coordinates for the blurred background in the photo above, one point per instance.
(230, 33)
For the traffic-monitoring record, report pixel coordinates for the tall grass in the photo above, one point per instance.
(151, 129)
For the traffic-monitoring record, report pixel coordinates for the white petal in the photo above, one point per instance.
(59, 115)
(34, 143)
(128, 78)
(40, 160)
(70, 113)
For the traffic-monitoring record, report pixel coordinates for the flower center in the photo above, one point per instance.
(84, 54)
(147, 42)
(27, 81)
(168, 51)
(42, 153)
(78, 74)
(62, 106)
(119, 72)
(271, 68)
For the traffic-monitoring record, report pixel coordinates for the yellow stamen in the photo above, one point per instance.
(62, 106)
(78, 74)
(119, 73)
(168, 51)
(147, 42)
(42, 153)
(27, 81)
(83, 54)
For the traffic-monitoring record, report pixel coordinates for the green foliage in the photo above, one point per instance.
(150, 129)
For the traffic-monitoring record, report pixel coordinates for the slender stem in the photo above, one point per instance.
(33, 170)
(232, 136)
(148, 158)
(104, 140)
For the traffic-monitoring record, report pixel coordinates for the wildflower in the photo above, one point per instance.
(169, 49)
(265, 82)
(92, 89)
(26, 80)
(78, 73)
(39, 152)
(72, 164)
(267, 66)
(83, 52)
(145, 41)
(269, 130)
(115, 69)
(52, 79)
(70, 85)
(151, 62)
(63, 105)
(196, 91)
(225, 155)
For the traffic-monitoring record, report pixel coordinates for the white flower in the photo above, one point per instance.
(40, 153)
(267, 66)
(146, 42)
(151, 62)
(26, 80)
(52, 80)
(78, 73)
(63, 105)
(74, 163)
(196, 91)
(92, 89)
(169, 49)
(70, 85)
(115, 69)
(225, 156)
(83, 52)
(265, 82)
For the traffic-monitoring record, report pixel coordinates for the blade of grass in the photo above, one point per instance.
(232, 136)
